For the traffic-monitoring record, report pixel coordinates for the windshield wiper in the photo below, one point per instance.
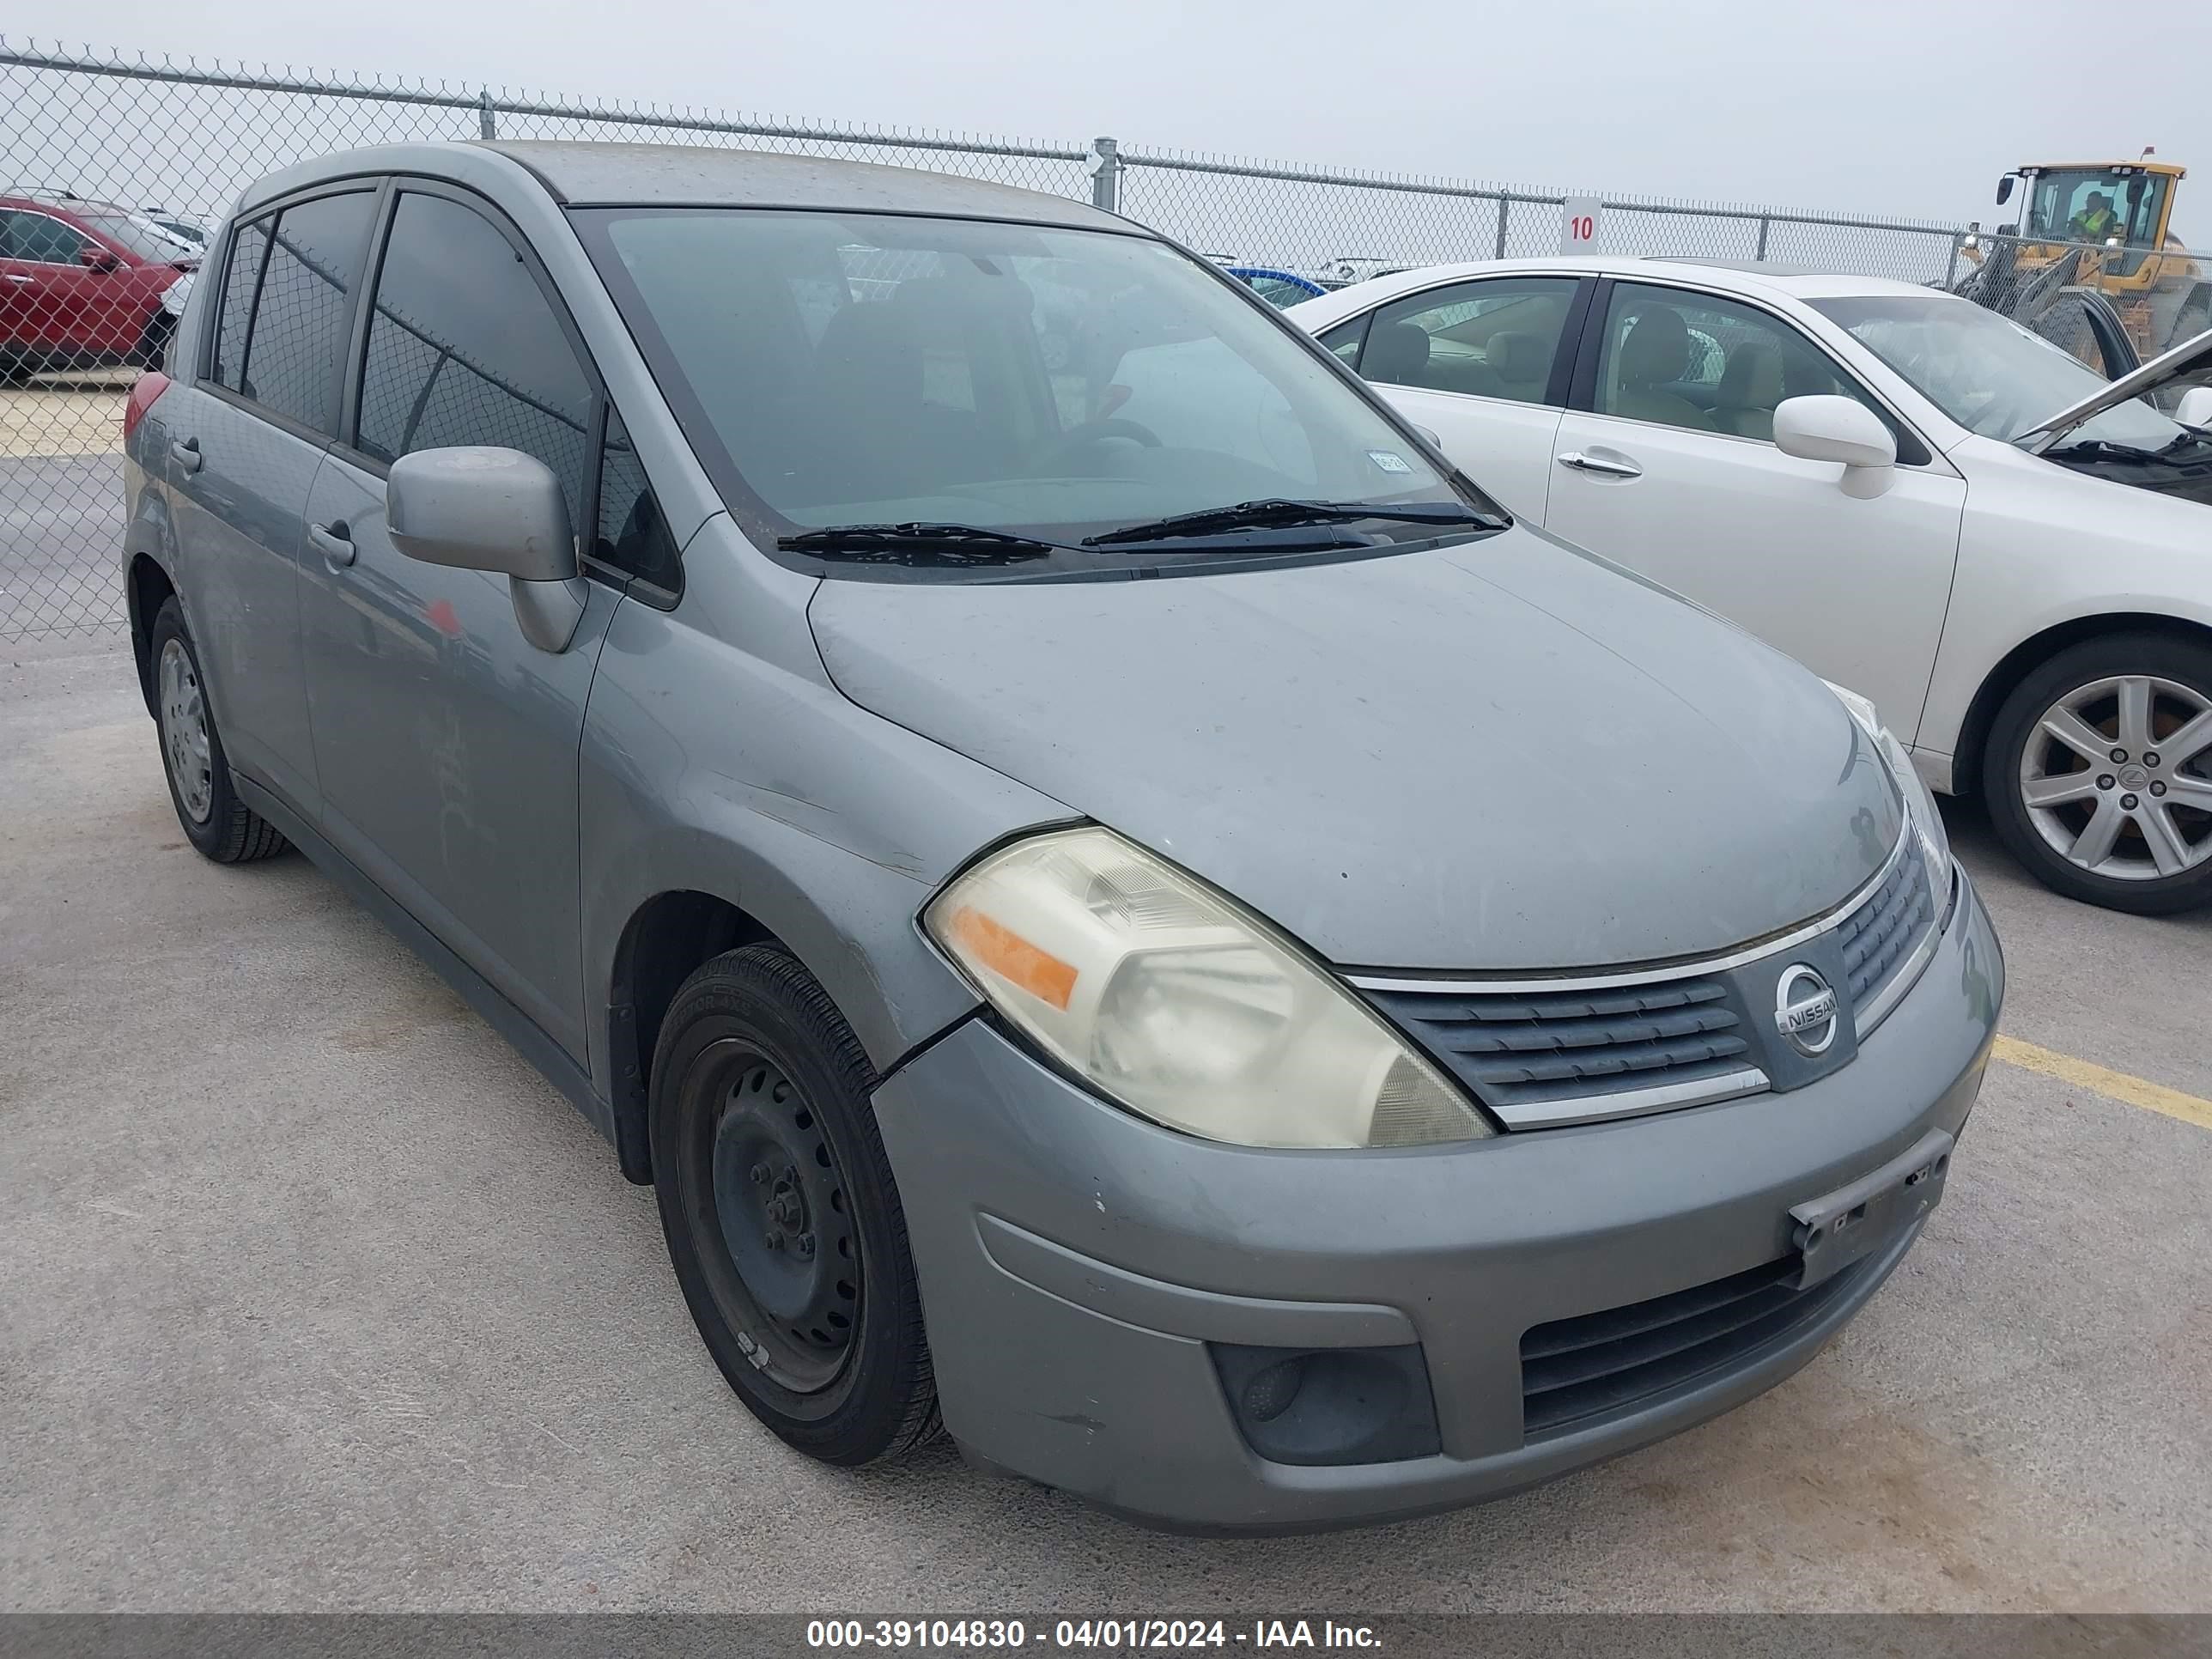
(1275, 512)
(918, 543)
(2104, 449)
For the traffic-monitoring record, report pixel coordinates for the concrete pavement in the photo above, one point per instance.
(317, 1298)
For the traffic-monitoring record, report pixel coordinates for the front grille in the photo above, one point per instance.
(1580, 1371)
(1880, 935)
(1524, 1049)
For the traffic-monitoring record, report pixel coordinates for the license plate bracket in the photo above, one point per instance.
(1845, 1226)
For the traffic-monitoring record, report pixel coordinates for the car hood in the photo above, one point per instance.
(1501, 755)
(2192, 357)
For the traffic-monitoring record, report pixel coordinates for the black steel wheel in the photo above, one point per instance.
(782, 1220)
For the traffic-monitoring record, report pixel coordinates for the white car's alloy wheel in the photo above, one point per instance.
(2117, 778)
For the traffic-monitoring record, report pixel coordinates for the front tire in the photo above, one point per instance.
(222, 826)
(2099, 773)
(782, 1220)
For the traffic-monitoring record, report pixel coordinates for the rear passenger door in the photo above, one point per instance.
(246, 436)
(1481, 364)
(447, 743)
(1667, 463)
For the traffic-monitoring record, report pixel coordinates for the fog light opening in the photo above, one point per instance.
(1330, 1406)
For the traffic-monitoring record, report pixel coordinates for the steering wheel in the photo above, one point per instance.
(1091, 432)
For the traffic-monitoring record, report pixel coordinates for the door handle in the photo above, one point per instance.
(337, 544)
(1604, 466)
(186, 453)
(16, 276)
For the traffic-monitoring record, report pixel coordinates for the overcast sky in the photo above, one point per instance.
(1872, 106)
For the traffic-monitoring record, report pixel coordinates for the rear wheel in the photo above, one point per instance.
(214, 820)
(781, 1217)
(2099, 773)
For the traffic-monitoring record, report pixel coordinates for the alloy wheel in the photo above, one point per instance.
(2117, 777)
(184, 733)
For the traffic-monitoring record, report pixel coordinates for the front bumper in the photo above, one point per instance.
(1076, 1262)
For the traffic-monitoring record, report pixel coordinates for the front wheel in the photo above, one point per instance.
(782, 1220)
(2099, 773)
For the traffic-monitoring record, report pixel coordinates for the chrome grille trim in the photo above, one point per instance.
(1633, 1103)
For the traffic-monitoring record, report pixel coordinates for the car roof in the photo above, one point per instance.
(697, 175)
(54, 201)
(1722, 275)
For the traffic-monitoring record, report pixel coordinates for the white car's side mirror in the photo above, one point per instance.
(2194, 408)
(1841, 429)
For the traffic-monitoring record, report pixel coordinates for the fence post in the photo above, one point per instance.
(1951, 271)
(1106, 174)
(1766, 224)
(487, 118)
(1504, 208)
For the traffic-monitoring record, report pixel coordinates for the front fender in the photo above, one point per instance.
(705, 768)
(2043, 547)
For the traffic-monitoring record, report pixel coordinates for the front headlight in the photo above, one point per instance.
(1919, 800)
(1168, 998)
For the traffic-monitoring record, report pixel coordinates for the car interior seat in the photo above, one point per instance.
(1397, 355)
(1656, 349)
(1750, 387)
(1522, 362)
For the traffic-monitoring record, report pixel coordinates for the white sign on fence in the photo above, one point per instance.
(1579, 220)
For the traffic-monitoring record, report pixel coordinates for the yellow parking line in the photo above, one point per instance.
(2113, 1085)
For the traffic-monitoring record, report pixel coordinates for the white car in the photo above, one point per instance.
(1869, 475)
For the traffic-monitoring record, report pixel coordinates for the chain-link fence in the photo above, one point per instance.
(114, 170)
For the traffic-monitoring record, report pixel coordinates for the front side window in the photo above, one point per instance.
(1495, 338)
(632, 536)
(465, 348)
(1710, 364)
(840, 370)
(150, 240)
(249, 247)
(41, 240)
(301, 317)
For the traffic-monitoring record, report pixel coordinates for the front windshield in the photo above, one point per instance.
(1986, 372)
(141, 236)
(837, 369)
(2092, 205)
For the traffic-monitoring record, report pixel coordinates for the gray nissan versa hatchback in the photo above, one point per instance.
(1121, 905)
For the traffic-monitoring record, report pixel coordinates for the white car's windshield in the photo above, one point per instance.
(837, 370)
(142, 236)
(1986, 372)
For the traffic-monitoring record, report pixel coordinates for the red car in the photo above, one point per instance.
(85, 285)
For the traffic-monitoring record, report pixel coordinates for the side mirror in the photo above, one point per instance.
(479, 507)
(2194, 408)
(97, 258)
(2004, 190)
(1833, 428)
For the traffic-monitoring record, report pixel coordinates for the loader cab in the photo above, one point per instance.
(2130, 202)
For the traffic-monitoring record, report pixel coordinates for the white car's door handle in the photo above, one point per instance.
(1607, 466)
